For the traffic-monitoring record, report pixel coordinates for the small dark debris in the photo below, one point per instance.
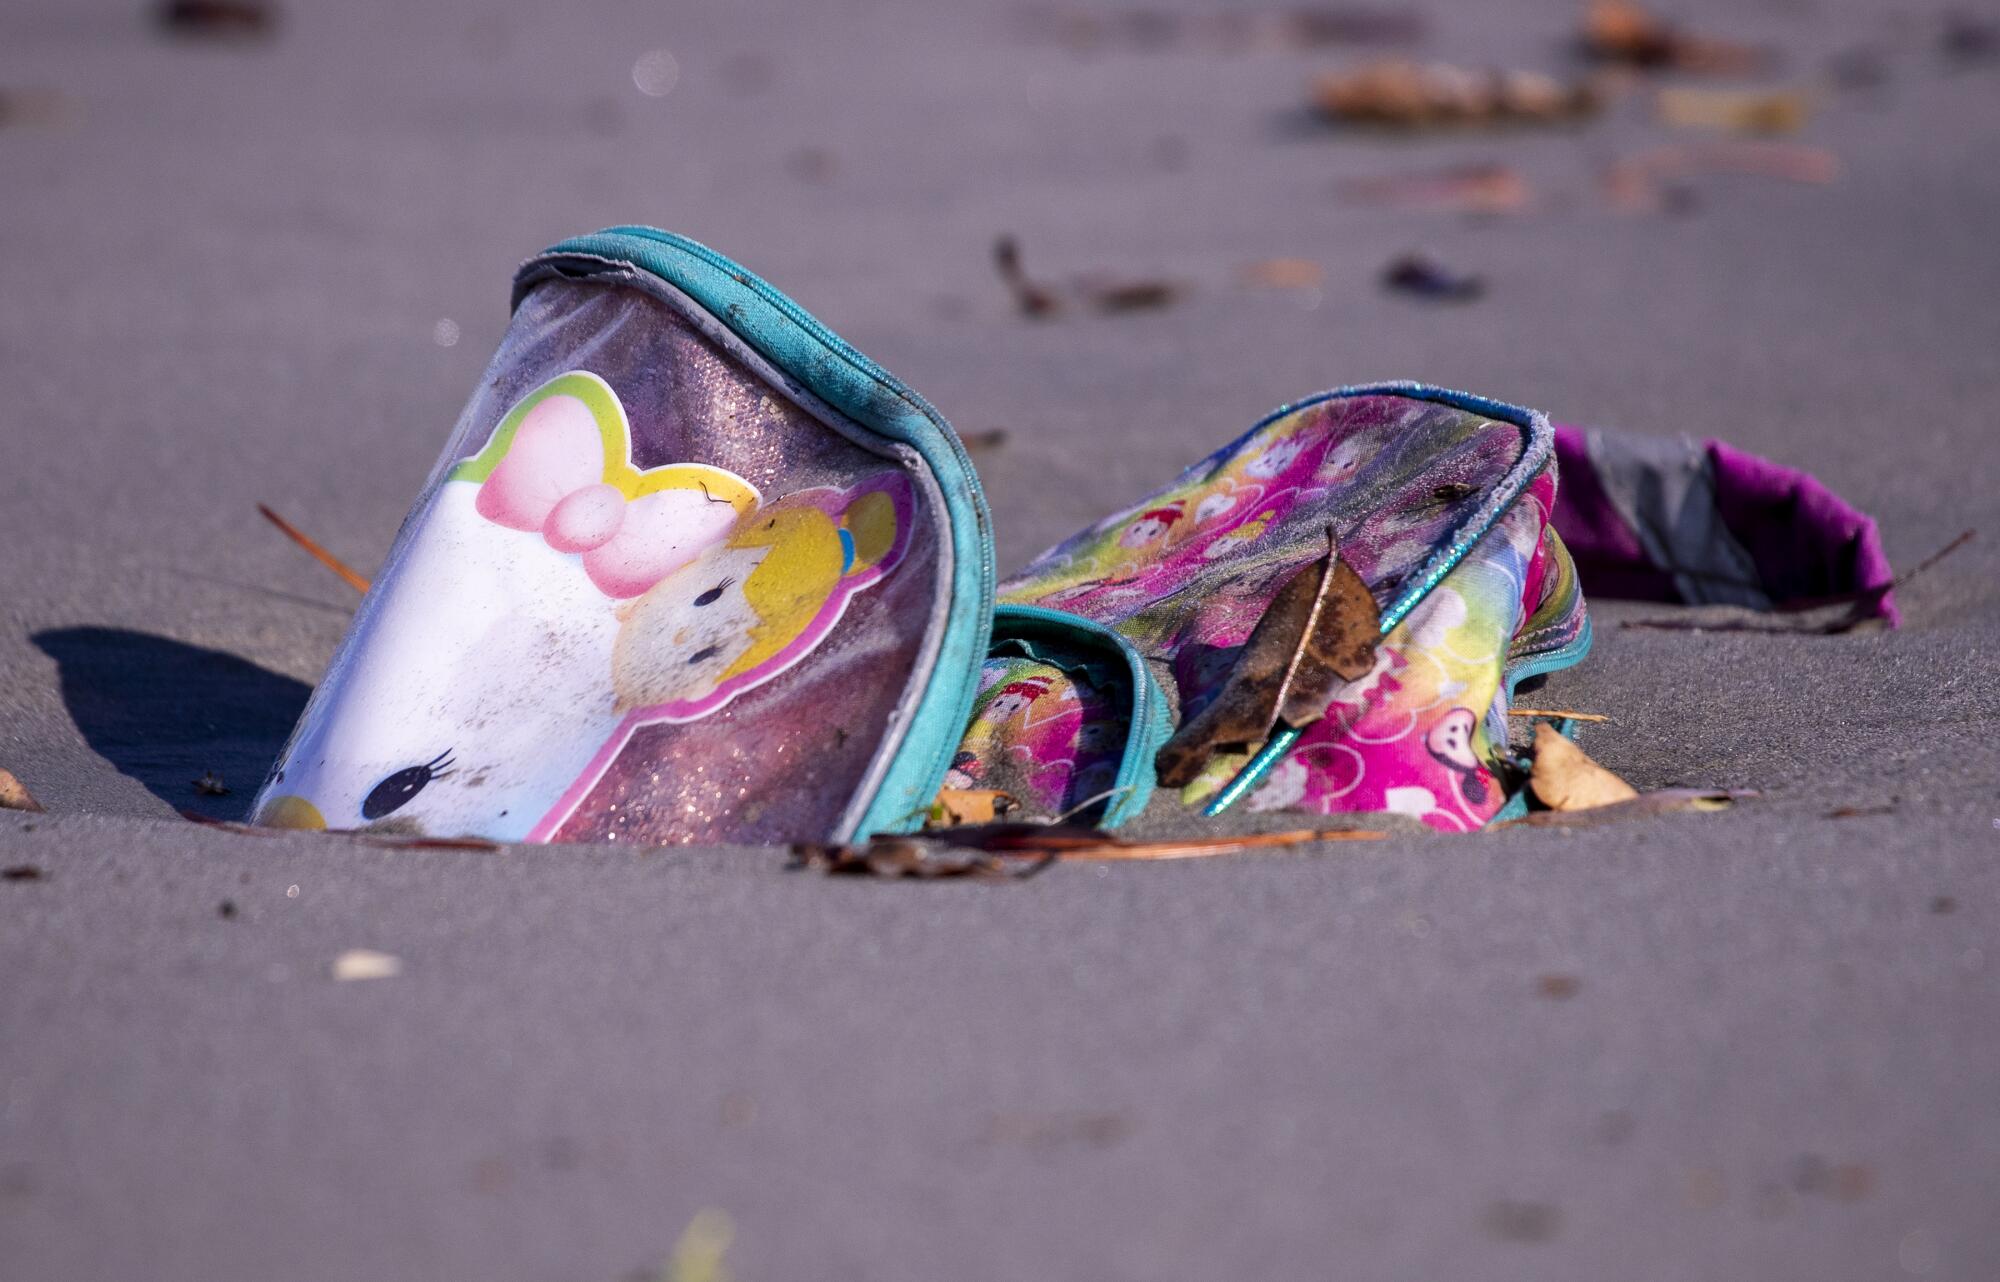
(1558, 988)
(210, 785)
(1967, 40)
(1859, 812)
(1033, 299)
(1131, 295)
(22, 872)
(217, 19)
(984, 442)
(1422, 277)
(226, 910)
(1109, 295)
(1527, 1222)
(1944, 905)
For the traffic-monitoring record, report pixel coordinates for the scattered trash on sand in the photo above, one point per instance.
(1459, 189)
(14, 795)
(1422, 277)
(366, 963)
(1743, 111)
(1624, 33)
(1088, 292)
(1400, 94)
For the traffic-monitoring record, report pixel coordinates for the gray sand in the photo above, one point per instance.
(228, 271)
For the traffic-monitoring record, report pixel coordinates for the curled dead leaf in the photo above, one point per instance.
(14, 794)
(1564, 778)
(1319, 632)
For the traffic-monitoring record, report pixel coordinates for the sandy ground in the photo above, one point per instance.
(1761, 1044)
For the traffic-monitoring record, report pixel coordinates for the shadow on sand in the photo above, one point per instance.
(165, 712)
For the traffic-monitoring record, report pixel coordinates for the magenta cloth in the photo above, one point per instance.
(1807, 543)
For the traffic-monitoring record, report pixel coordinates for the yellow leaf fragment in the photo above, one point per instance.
(1735, 110)
(1564, 778)
(15, 796)
(956, 806)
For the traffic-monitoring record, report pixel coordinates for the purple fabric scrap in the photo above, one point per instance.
(1807, 543)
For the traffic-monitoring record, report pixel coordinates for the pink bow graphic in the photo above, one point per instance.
(551, 482)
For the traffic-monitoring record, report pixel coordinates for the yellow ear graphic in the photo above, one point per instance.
(871, 520)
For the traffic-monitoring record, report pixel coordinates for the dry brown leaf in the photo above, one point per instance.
(1408, 95)
(1743, 111)
(14, 795)
(955, 806)
(1318, 632)
(1564, 778)
(1622, 32)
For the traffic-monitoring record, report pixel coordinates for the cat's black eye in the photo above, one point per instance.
(395, 792)
(706, 652)
(713, 594)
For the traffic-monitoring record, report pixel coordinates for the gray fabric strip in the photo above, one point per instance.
(1664, 488)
